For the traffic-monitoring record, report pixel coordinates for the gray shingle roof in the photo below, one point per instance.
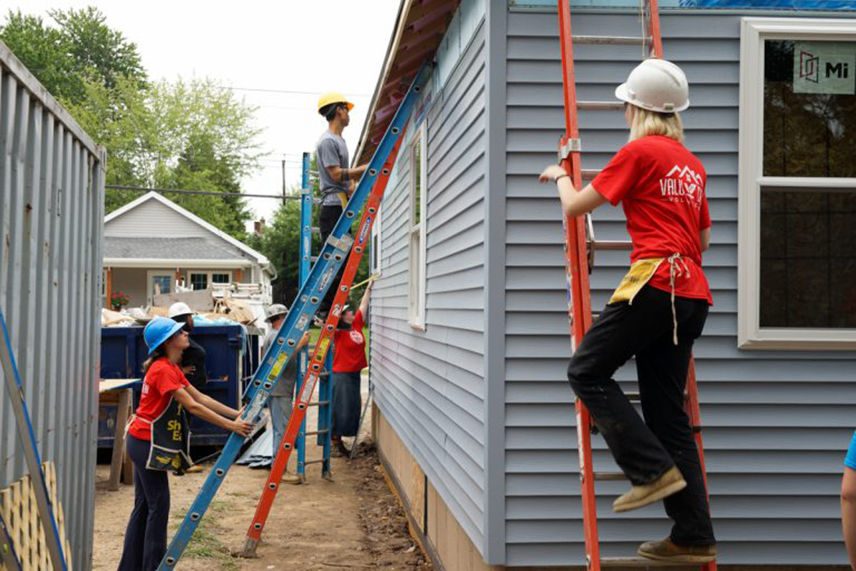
(169, 249)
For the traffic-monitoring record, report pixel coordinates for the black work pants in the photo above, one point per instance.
(645, 450)
(145, 536)
(327, 218)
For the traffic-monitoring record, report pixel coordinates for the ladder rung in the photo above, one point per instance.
(316, 229)
(313, 259)
(609, 476)
(637, 562)
(317, 432)
(612, 245)
(318, 403)
(601, 105)
(589, 174)
(609, 40)
(319, 461)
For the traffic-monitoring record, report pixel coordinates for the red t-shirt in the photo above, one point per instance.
(661, 186)
(350, 351)
(162, 378)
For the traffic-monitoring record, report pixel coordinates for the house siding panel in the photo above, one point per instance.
(154, 219)
(776, 423)
(430, 384)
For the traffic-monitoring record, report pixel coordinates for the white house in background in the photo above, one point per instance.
(152, 244)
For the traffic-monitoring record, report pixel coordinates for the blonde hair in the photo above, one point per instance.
(644, 123)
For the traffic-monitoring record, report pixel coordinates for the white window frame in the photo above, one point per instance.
(209, 273)
(750, 335)
(375, 262)
(416, 234)
(150, 275)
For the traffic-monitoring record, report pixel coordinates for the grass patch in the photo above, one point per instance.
(205, 543)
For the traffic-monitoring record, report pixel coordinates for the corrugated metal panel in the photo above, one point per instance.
(51, 207)
(777, 423)
(430, 385)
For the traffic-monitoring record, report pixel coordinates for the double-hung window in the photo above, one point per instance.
(416, 229)
(797, 196)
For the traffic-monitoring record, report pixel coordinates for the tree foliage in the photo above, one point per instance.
(280, 242)
(183, 135)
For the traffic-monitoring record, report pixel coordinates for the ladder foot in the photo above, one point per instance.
(249, 550)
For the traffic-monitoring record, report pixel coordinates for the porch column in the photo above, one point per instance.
(108, 287)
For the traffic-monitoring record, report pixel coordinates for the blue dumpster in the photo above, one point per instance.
(123, 352)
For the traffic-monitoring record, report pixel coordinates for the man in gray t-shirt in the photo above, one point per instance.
(337, 181)
(331, 151)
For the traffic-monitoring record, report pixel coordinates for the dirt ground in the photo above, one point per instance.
(353, 523)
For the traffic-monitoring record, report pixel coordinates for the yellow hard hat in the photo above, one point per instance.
(333, 97)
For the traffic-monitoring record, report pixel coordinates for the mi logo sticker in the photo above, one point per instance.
(825, 67)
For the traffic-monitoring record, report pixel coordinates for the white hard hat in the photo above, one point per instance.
(656, 85)
(179, 308)
(275, 310)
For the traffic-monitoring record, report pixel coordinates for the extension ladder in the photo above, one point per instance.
(31, 451)
(321, 351)
(580, 246)
(297, 321)
(325, 388)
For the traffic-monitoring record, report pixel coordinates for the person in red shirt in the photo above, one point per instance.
(158, 440)
(349, 359)
(655, 314)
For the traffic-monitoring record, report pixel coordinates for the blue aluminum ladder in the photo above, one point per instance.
(297, 322)
(325, 387)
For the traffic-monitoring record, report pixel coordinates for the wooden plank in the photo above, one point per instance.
(122, 410)
(105, 385)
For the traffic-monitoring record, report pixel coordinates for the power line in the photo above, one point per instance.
(205, 192)
(291, 91)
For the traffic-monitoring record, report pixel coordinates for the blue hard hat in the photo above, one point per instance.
(159, 330)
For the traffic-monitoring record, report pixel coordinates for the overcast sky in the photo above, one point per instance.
(301, 48)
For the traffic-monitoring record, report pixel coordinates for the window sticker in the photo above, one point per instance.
(825, 67)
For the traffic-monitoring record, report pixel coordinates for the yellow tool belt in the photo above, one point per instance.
(641, 271)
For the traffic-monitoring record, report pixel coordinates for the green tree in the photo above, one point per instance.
(82, 47)
(184, 135)
(280, 242)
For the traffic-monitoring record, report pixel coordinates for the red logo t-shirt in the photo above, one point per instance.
(162, 378)
(661, 186)
(350, 350)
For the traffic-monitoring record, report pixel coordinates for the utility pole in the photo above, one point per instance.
(284, 187)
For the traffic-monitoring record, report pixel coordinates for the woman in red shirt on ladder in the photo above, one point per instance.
(655, 314)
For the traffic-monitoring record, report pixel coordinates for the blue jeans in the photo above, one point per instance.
(145, 536)
(346, 404)
(280, 412)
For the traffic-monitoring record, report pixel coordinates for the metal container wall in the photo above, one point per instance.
(51, 218)
(123, 352)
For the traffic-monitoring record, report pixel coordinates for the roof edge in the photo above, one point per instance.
(260, 258)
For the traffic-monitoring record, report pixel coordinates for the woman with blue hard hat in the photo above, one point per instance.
(159, 439)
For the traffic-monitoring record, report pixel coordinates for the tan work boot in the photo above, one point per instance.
(290, 478)
(664, 486)
(665, 550)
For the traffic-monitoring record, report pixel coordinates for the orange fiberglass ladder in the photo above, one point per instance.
(580, 245)
(319, 355)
